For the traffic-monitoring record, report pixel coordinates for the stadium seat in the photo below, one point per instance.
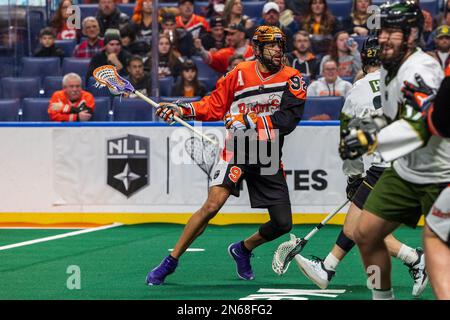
(432, 6)
(167, 4)
(253, 9)
(36, 19)
(7, 66)
(52, 84)
(102, 109)
(131, 110)
(340, 8)
(180, 99)
(67, 46)
(40, 67)
(97, 92)
(126, 8)
(204, 71)
(323, 105)
(88, 10)
(9, 109)
(165, 86)
(208, 82)
(21, 87)
(349, 79)
(199, 6)
(77, 65)
(35, 109)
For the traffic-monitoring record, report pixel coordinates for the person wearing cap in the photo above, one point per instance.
(109, 16)
(271, 17)
(216, 38)
(442, 43)
(192, 23)
(112, 54)
(237, 45)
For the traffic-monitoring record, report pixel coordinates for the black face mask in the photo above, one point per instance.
(268, 63)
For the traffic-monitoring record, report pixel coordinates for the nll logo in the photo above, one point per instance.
(128, 163)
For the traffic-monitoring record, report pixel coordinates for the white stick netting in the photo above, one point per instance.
(284, 255)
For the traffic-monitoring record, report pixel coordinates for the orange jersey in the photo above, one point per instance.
(447, 71)
(219, 59)
(194, 25)
(278, 100)
(61, 109)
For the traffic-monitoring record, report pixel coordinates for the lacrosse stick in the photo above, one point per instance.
(204, 155)
(288, 249)
(108, 76)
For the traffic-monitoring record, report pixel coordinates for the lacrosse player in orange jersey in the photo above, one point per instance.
(265, 100)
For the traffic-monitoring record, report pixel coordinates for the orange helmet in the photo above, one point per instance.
(264, 35)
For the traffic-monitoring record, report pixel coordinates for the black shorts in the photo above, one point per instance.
(264, 190)
(372, 176)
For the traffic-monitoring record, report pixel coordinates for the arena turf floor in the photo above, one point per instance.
(113, 264)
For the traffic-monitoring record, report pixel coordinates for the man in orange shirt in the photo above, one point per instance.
(192, 23)
(71, 103)
(264, 101)
(237, 45)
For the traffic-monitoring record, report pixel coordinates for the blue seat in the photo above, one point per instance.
(209, 83)
(253, 9)
(7, 66)
(327, 105)
(167, 4)
(349, 79)
(132, 110)
(97, 92)
(126, 8)
(199, 6)
(102, 109)
(36, 19)
(204, 71)
(9, 109)
(35, 109)
(67, 46)
(87, 10)
(40, 67)
(340, 8)
(180, 99)
(165, 86)
(432, 6)
(22, 87)
(77, 65)
(307, 80)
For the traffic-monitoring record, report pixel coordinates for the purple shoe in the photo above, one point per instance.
(158, 274)
(242, 259)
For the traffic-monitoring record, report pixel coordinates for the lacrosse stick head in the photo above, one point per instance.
(204, 153)
(285, 252)
(107, 76)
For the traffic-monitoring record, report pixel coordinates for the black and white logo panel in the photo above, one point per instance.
(128, 163)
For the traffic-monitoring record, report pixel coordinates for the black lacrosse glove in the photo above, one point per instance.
(353, 183)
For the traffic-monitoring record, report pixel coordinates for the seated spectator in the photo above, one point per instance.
(109, 16)
(64, 27)
(237, 45)
(344, 50)
(181, 40)
(287, 17)
(47, 46)
(301, 58)
(271, 17)
(298, 7)
(356, 23)
(93, 44)
(192, 23)
(169, 59)
(188, 85)
(233, 14)
(112, 54)
(442, 42)
(71, 103)
(320, 23)
(130, 44)
(216, 38)
(234, 61)
(139, 79)
(142, 20)
(330, 84)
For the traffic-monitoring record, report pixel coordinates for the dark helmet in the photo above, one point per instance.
(370, 52)
(401, 14)
(268, 34)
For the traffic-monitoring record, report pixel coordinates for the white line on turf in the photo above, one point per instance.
(191, 250)
(59, 236)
